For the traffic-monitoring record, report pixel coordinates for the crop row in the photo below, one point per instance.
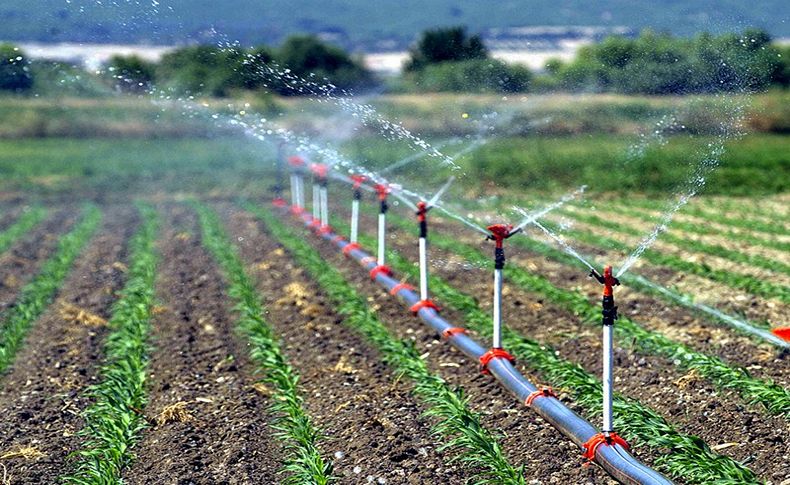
(774, 398)
(114, 420)
(476, 445)
(21, 226)
(689, 457)
(751, 284)
(36, 296)
(706, 229)
(689, 244)
(748, 224)
(303, 462)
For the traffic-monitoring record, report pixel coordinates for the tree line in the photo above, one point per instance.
(450, 59)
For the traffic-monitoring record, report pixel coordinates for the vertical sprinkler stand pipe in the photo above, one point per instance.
(278, 177)
(297, 183)
(499, 232)
(614, 458)
(383, 190)
(608, 316)
(358, 180)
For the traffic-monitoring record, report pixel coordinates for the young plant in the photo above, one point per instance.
(27, 221)
(304, 463)
(37, 295)
(114, 420)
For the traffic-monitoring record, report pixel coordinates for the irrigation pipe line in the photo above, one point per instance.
(614, 459)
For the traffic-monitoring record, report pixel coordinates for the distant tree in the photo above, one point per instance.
(443, 45)
(474, 75)
(131, 73)
(15, 72)
(309, 57)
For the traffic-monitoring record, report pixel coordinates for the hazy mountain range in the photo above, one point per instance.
(371, 25)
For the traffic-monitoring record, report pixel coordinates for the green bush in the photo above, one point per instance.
(131, 73)
(477, 75)
(451, 44)
(14, 71)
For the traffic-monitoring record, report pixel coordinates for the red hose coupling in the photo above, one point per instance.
(452, 331)
(279, 202)
(606, 439)
(544, 392)
(296, 210)
(325, 229)
(424, 304)
(380, 269)
(400, 286)
(782, 333)
(315, 223)
(337, 239)
(350, 247)
(494, 354)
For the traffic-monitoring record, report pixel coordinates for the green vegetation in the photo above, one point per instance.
(303, 461)
(114, 420)
(774, 398)
(132, 73)
(27, 221)
(662, 64)
(752, 284)
(451, 44)
(37, 295)
(475, 445)
(689, 458)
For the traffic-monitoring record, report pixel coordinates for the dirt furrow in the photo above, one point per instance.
(22, 261)
(43, 394)
(208, 422)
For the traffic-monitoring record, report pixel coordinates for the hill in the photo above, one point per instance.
(361, 24)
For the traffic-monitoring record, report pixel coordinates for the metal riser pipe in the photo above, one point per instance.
(616, 460)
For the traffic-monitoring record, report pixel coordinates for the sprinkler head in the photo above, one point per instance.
(382, 190)
(296, 161)
(320, 170)
(500, 232)
(358, 180)
(607, 280)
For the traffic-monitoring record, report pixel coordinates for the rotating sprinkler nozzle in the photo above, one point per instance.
(608, 316)
(297, 164)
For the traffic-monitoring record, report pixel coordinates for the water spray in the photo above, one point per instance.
(608, 316)
(297, 183)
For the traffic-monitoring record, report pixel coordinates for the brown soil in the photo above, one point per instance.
(200, 368)
(22, 261)
(43, 395)
(545, 454)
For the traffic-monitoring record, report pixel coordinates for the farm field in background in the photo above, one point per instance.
(161, 317)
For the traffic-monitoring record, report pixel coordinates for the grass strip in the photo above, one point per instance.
(688, 458)
(476, 446)
(751, 284)
(774, 398)
(37, 295)
(638, 210)
(27, 221)
(688, 244)
(114, 420)
(303, 462)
